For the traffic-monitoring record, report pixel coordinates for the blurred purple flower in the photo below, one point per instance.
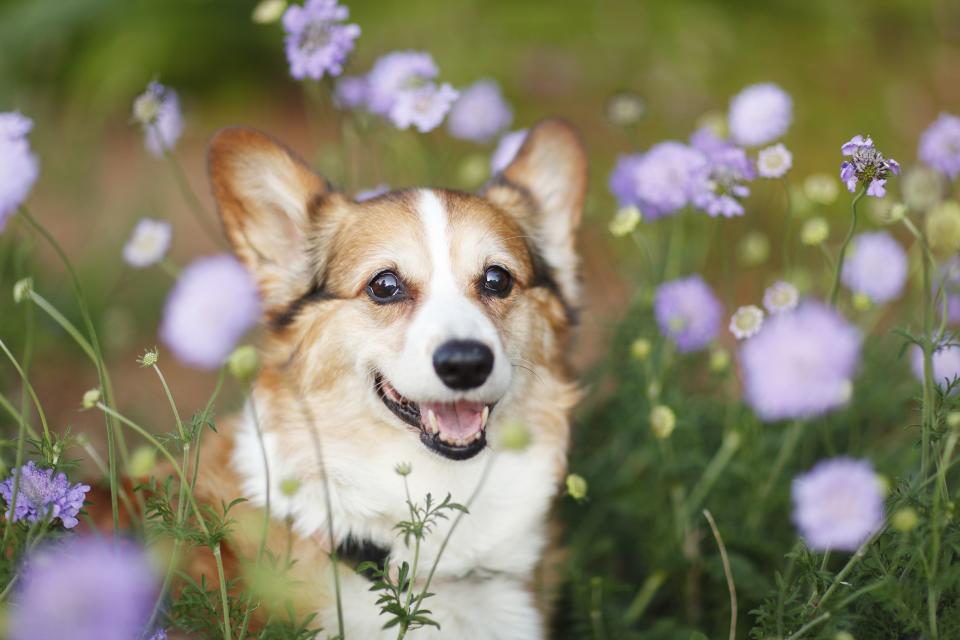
(507, 149)
(18, 165)
(866, 166)
(950, 287)
(838, 504)
(940, 145)
(159, 634)
(876, 267)
(946, 364)
(688, 313)
(158, 111)
(317, 41)
(148, 243)
(706, 139)
(801, 364)
(423, 107)
(395, 73)
(370, 194)
(350, 92)
(720, 183)
(480, 113)
(760, 114)
(213, 304)
(13, 125)
(41, 494)
(659, 182)
(84, 589)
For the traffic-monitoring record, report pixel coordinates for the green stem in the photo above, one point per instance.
(193, 203)
(838, 268)
(65, 324)
(266, 514)
(731, 442)
(30, 390)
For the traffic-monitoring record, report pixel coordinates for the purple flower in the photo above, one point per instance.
(213, 304)
(370, 194)
(706, 139)
(350, 92)
(688, 313)
(148, 243)
(760, 114)
(18, 165)
(41, 494)
(876, 267)
(946, 364)
(395, 73)
(84, 589)
(160, 634)
(480, 113)
(801, 364)
(838, 504)
(940, 145)
(507, 150)
(158, 111)
(659, 182)
(950, 279)
(423, 107)
(317, 41)
(720, 183)
(866, 166)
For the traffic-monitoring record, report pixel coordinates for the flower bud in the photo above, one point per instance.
(91, 398)
(662, 421)
(953, 419)
(719, 360)
(514, 436)
(641, 348)
(268, 11)
(142, 461)
(904, 520)
(943, 227)
(289, 486)
(821, 188)
(754, 249)
(625, 221)
(814, 231)
(922, 187)
(862, 302)
(473, 170)
(243, 363)
(715, 121)
(22, 289)
(576, 487)
(149, 358)
(403, 468)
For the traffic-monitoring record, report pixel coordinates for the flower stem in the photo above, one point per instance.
(838, 268)
(198, 210)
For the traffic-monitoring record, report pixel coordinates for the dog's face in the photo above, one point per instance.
(423, 309)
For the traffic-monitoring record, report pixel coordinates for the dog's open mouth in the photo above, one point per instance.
(456, 430)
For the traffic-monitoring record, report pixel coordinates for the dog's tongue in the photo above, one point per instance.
(457, 420)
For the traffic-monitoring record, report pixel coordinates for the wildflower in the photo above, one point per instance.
(371, 193)
(719, 360)
(158, 111)
(708, 140)
(774, 162)
(507, 149)
(746, 322)
(514, 436)
(394, 73)
(403, 469)
(940, 145)
(641, 348)
(905, 519)
(42, 494)
(350, 92)
(946, 364)
(688, 313)
(801, 363)
(754, 248)
(625, 221)
(821, 188)
(317, 42)
(243, 363)
(759, 114)
(720, 185)
(922, 187)
(943, 227)
(268, 11)
(625, 109)
(838, 504)
(423, 107)
(660, 181)
(662, 421)
(18, 165)
(85, 589)
(480, 113)
(876, 267)
(148, 243)
(22, 289)
(213, 304)
(866, 166)
(814, 231)
(781, 297)
(576, 487)
(90, 398)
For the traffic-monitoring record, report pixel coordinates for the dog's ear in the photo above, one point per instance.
(267, 198)
(543, 187)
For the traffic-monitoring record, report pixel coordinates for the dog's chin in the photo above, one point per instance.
(455, 430)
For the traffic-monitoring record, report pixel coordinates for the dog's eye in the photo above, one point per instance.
(385, 287)
(497, 281)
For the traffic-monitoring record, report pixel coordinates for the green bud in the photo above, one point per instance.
(403, 468)
(625, 221)
(814, 231)
(862, 302)
(576, 487)
(641, 348)
(943, 227)
(268, 11)
(953, 419)
(142, 461)
(22, 289)
(289, 486)
(719, 360)
(905, 520)
(149, 358)
(473, 170)
(662, 421)
(91, 398)
(754, 249)
(514, 436)
(243, 363)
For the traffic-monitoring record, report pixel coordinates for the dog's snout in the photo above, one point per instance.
(463, 364)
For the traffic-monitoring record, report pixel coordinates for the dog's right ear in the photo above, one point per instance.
(267, 198)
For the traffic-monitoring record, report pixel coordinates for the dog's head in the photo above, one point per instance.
(422, 310)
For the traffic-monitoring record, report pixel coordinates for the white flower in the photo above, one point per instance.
(746, 322)
(780, 297)
(148, 243)
(774, 162)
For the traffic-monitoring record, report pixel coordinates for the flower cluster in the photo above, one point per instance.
(688, 313)
(866, 166)
(659, 182)
(317, 42)
(42, 494)
(18, 165)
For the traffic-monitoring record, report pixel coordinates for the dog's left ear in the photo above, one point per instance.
(543, 187)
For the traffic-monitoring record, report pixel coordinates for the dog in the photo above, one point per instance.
(412, 329)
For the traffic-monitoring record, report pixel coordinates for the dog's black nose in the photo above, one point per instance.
(463, 364)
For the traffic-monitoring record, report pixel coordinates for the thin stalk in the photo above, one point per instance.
(18, 417)
(30, 390)
(416, 559)
(644, 597)
(838, 268)
(731, 442)
(810, 625)
(790, 442)
(65, 324)
(193, 203)
(731, 587)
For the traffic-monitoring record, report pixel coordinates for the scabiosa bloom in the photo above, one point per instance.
(774, 162)
(876, 267)
(659, 182)
(213, 304)
(759, 114)
(422, 107)
(946, 364)
(394, 73)
(866, 166)
(688, 313)
(480, 113)
(781, 297)
(317, 41)
(801, 364)
(84, 589)
(746, 322)
(158, 111)
(720, 183)
(42, 494)
(148, 243)
(350, 92)
(940, 145)
(18, 165)
(838, 504)
(507, 150)
(370, 194)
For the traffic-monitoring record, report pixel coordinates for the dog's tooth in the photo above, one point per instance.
(478, 435)
(484, 415)
(433, 422)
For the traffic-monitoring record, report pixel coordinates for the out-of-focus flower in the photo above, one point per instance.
(243, 363)
(905, 519)
(946, 364)
(42, 494)
(950, 279)
(18, 165)
(22, 289)
(480, 113)
(625, 109)
(866, 166)
(90, 398)
(473, 170)
(774, 162)
(814, 231)
(821, 188)
(159, 634)
(268, 11)
(746, 322)
(148, 243)
(576, 486)
(688, 313)
(514, 436)
(423, 107)
(876, 266)
(350, 92)
(715, 122)
(838, 504)
(317, 40)
(862, 302)
(142, 461)
(760, 114)
(641, 348)
(753, 249)
(781, 297)
(662, 421)
(395, 73)
(707, 140)
(625, 221)
(213, 304)
(940, 145)
(922, 187)
(943, 227)
(719, 185)
(84, 589)
(719, 360)
(801, 364)
(158, 111)
(369, 194)
(660, 181)
(507, 149)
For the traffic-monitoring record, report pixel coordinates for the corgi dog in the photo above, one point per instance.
(413, 329)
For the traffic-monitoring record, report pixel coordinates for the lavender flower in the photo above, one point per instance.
(781, 297)
(507, 150)
(213, 304)
(18, 165)
(480, 113)
(950, 277)
(774, 162)
(370, 194)
(876, 267)
(946, 364)
(866, 166)
(84, 589)
(940, 145)
(159, 634)
(422, 107)
(148, 243)
(746, 322)
(317, 41)
(720, 183)
(350, 92)
(838, 504)
(661, 181)
(708, 140)
(801, 364)
(158, 111)
(395, 73)
(760, 114)
(688, 313)
(41, 494)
